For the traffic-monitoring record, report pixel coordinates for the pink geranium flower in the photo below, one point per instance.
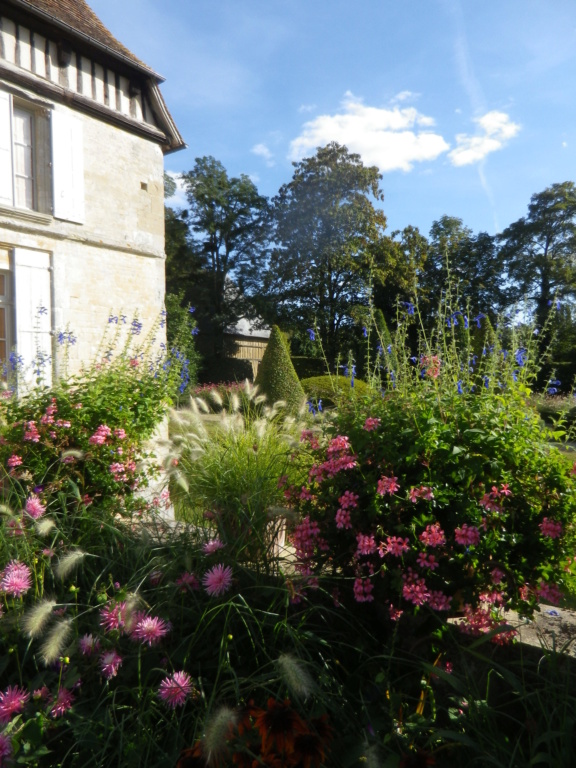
(549, 593)
(99, 437)
(363, 590)
(550, 528)
(371, 424)
(366, 544)
(414, 588)
(433, 536)
(217, 580)
(31, 433)
(438, 601)
(468, 535)
(395, 546)
(14, 461)
(16, 579)
(343, 519)
(175, 689)
(387, 485)
(427, 561)
(12, 702)
(348, 500)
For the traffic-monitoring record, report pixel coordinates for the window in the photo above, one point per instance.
(41, 159)
(26, 313)
(23, 158)
(6, 341)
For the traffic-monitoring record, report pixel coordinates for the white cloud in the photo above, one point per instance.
(178, 199)
(306, 107)
(262, 151)
(404, 96)
(496, 130)
(392, 138)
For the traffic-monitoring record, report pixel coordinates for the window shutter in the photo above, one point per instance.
(6, 192)
(67, 167)
(33, 314)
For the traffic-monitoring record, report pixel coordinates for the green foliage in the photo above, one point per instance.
(227, 230)
(276, 377)
(443, 492)
(180, 333)
(219, 601)
(72, 434)
(226, 469)
(538, 249)
(327, 229)
(333, 390)
(306, 367)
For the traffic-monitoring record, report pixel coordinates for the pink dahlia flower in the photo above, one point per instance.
(175, 689)
(217, 580)
(12, 702)
(16, 579)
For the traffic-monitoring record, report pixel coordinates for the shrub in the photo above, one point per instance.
(442, 493)
(86, 432)
(181, 330)
(332, 390)
(306, 367)
(276, 378)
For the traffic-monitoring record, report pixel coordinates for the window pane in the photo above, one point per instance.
(23, 159)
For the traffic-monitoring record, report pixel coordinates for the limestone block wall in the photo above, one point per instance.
(113, 261)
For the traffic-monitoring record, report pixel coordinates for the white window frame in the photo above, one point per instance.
(57, 168)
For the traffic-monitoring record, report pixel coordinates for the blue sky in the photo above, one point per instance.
(468, 108)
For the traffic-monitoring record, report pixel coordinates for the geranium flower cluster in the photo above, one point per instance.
(339, 459)
(408, 548)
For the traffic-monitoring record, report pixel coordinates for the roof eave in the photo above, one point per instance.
(32, 9)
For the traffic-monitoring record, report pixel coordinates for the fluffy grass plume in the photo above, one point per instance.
(36, 618)
(55, 643)
(295, 676)
(218, 730)
(68, 562)
(44, 526)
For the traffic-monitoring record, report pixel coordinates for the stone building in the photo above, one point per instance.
(83, 131)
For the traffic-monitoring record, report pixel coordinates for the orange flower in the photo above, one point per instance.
(278, 726)
(192, 758)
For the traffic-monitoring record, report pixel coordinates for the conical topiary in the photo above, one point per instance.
(276, 377)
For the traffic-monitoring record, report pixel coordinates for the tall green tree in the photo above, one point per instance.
(539, 249)
(468, 263)
(227, 231)
(327, 230)
(398, 266)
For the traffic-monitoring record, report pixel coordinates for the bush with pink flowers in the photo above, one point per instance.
(440, 493)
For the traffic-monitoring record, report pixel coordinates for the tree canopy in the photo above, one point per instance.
(326, 232)
(539, 250)
(227, 231)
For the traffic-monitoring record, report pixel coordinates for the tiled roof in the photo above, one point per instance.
(79, 17)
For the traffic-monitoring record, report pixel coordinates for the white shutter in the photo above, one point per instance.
(67, 167)
(32, 297)
(6, 177)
